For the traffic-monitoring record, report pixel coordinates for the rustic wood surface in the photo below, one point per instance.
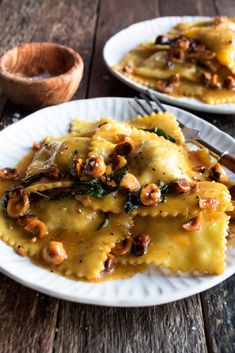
(34, 323)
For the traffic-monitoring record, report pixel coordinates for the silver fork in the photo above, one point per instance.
(191, 135)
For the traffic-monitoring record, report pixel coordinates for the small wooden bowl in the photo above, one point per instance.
(40, 74)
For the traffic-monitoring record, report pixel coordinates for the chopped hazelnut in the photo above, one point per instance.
(123, 248)
(128, 69)
(124, 148)
(182, 186)
(129, 183)
(9, 174)
(194, 224)
(95, 167)
(150, 195)
(140, 245)
(218, 174)
(176, 55)
(36, 146)
(18, 204)
(215, 82)
(229, 82)
(54, 253)
(21, 251)
(109, 263)
(37, 228)
(205, 79)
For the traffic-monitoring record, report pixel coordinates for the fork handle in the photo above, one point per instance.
(228, 161)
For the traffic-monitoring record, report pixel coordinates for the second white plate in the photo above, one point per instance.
(122, 42)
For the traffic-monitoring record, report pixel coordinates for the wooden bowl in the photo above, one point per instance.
(40, 74)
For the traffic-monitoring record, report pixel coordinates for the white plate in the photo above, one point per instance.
(156, 286)
(122, 42)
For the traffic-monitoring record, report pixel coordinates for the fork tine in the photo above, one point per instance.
(148, 101)
(134, 108)
(156, 100)
(142, 106)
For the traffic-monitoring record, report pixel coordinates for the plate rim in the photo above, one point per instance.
(183, 102)
(214, 280)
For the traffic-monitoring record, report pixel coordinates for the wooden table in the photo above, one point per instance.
(32, 322)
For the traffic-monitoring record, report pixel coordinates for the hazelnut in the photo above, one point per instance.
(36, 146)
(95, 167)
(129, 183)
(218, 174)
(140, 245)
(21, 251)
(205, 79)
(124, 148)
(109, 263)
(128, 69)
(176, 55)
(76, 167)
(123, 248)
(118, 161)
(150, 195)
(18, 204)
(182, 186)
(194, 224)
(54, 253)
(36, 228)
(215, 82)
(25, 220)
(229, 82)
(108, 181)
(9, 174)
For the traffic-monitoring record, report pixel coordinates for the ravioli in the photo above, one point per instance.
(174, 248)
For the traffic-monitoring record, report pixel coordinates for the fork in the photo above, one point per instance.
(225, 158)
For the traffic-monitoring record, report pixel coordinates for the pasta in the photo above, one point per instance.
(193, 60)
(114, 194)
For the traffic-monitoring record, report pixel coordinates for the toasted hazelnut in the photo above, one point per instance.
(218, 174)
(54, 253)
(95, 167)
(36, 228)
(208, 203)
(128, 69)
(207, 54)
(21, 251)
(182, 186)
(18, 204)
(25, 220)
(229, 82)
(109, 263)
(123, 248)
(124, 148)
(140, 245)
(118, 161)
(215, 82)
(109, 169)
(205, 79)
(164, 87)
(194, 224)
(9, 174)
(174, 80)
(150, 195)
(76, 167)
(129, 183)
(176, 55)
(108, 181)
(181, 43)
(200, 169)
(162, 40)
(36, 146)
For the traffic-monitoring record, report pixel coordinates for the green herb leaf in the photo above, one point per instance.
(131, 203)
(119, 174)
(160, 132)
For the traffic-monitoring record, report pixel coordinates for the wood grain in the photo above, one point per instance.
(33, 330)
(176, 327)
